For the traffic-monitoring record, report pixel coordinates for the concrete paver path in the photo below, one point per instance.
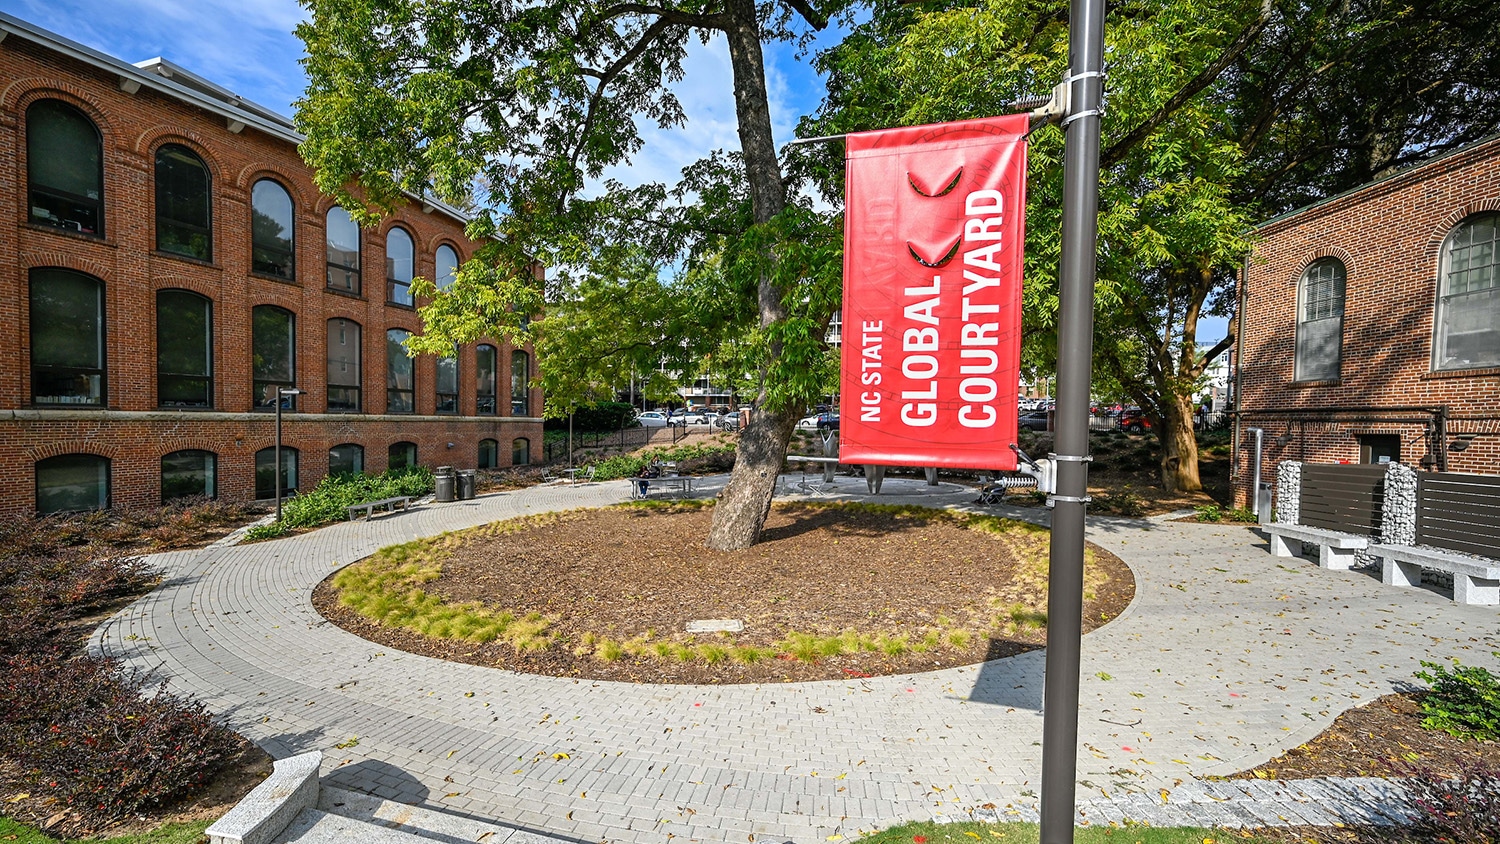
(1227, 657)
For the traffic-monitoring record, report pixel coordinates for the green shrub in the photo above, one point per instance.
(1208, 512)
(267, 531)
(604, 416)
(1464, 702)
(329, 500)
(689, 458)
(1243, 514)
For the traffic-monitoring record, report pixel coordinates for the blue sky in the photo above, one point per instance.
(248, 47)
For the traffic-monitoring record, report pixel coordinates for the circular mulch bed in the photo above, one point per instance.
(947, 586)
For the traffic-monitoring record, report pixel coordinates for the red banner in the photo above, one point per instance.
(934, 225)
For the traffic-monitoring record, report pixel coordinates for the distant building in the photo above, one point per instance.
(1370, 324)
(170, 267)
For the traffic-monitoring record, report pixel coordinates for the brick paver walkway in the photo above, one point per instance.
(1227, 657)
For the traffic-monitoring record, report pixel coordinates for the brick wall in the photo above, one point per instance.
(1389, 236)
(132, 430)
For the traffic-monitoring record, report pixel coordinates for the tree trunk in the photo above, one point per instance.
(1179, 445)
(745, 503)
(742, 510)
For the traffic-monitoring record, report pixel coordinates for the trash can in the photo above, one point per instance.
(442, 479)
(465, 484)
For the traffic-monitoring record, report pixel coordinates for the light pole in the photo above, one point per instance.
(282, 393)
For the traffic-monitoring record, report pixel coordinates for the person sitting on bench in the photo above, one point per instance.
(648, 471)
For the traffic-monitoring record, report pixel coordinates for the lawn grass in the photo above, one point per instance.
(175, 833)
(927, 832)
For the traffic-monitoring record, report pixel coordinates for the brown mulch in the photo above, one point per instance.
(1383, 738)
(623, 571)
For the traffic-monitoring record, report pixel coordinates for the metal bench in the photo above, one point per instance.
(1336, 549)
(387, 504)
(1476, 580)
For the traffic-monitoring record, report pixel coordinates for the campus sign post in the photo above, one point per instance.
(1075, 368)
(934, 228)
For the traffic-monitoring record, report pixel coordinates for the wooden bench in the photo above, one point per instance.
(1476, 580)
(1336, 549)
(387, 504)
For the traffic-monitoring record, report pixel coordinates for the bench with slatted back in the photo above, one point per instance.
(1340, 513)
(1458, 531)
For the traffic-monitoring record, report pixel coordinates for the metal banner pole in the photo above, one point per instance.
(1075, 352)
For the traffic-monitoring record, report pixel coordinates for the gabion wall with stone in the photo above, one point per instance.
(1398, 525)
(1288, 492)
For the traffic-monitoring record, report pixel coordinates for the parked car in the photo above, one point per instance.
(1134, 420)
(689, 417)
(1036, 420)
(824, 421)
(653, 419)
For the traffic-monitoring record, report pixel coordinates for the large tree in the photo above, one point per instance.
(532, 103)
(1216, 115)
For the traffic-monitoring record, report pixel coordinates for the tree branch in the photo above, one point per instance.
(718, 20)
(1121, 148)
(808, 13)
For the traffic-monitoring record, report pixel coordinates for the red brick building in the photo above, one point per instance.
(1370, 325)
(167, 267)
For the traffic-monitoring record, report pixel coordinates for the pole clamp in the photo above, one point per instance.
(1072, 458)
(1068, 499)
(1087, 74)
(1092, 112)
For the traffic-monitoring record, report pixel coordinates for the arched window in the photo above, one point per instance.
(400, 373)
(64, 168)
(485, 360)
(274, 358)
(520, 452)
(72, 482)
(184, 349)
(1320, 321)
(67, 338)
(447, 266)
(520, 381)
(400, 258)
(344, 377)
(1466, 326)
(343, 252)
(346, 459)
(401, 456)
(272, 231)
(447, 383)
(187, 474)
(265, 474)
(489, 454)
(184, 209)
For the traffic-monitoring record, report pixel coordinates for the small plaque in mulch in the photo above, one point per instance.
(904, 589)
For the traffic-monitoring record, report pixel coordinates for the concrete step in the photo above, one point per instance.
(350, 816)
(314, 826)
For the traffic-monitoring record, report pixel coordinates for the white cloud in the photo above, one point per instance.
(246, 46)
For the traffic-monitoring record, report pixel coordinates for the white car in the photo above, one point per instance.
(654, 419)
(690, 417)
